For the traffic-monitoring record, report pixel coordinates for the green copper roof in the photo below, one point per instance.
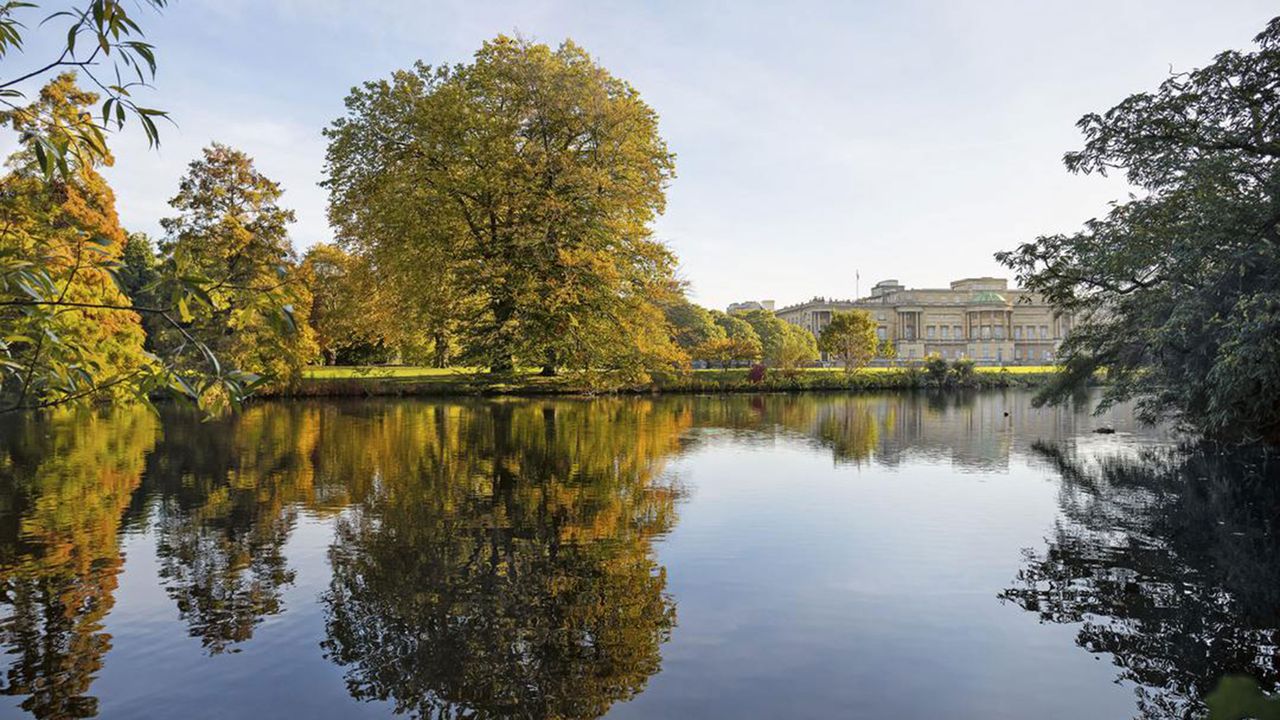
(987, 297)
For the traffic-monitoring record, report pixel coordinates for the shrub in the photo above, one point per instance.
(756, 374)
(963, 372)
(936, 371)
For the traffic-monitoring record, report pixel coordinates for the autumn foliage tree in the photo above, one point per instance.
(517, 190)
(343, 304)
(67, 330)
(232, 234)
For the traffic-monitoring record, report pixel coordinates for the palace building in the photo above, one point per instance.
(977, 318)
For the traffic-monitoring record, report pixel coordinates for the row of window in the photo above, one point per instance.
(985, 353)
(985, 332)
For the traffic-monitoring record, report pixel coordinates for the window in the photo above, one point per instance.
(912, 354)
(986, 352)
(1044, 332)
(1017, 353)
(946, 332)
(929, 332)
(986, 332)
(999, 332)
(958, 332)
(880, 333)
(1017, 332)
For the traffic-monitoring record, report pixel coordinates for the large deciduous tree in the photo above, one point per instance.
(231, 231)
(513, 197)
(1176, 292)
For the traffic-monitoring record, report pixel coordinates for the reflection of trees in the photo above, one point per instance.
(505, 569)
(1172, 566)
(65, 482)
(228, 498)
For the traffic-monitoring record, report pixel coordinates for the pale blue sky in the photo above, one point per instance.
(901, 139)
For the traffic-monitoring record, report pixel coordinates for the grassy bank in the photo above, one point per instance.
(379, 381)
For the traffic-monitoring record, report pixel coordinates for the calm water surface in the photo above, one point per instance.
(816, 556)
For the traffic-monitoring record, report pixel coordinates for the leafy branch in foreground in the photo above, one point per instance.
(104, 46)
(1176, 293)
(69, 333)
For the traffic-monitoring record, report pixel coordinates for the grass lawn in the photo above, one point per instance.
(402, 380)
(428, 374)
(384, 371)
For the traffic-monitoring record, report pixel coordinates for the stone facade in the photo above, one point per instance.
(749, 305)
(977, 318)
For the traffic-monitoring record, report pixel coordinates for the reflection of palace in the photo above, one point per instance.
(974, 429)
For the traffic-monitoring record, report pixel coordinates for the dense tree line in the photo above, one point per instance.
(494, 214)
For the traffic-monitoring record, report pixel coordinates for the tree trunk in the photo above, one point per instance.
(440, 350)
(549, 365)
(503, 361)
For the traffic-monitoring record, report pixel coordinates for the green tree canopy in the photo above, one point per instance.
(741, 343)
(693, 328)
(519, 189)
(769, 329)
(67, 332)
(1176, 293)
(798, 348)
(782, 344)
(850, 337)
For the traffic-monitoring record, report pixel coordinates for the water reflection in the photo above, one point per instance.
(531, 589)
(225, 498)
(65, 483)
(496, 558)
(1170, 564)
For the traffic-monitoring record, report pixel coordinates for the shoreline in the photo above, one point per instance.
(470, 384)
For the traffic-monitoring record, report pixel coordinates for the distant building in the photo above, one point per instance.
(749, 305)
(977, 318)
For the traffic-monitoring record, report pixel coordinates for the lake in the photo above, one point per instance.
(960, 555)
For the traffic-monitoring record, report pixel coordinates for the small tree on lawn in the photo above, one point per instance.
(851, 338)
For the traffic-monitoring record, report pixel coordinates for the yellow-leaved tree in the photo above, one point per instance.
(78, 346)
(513, 196)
